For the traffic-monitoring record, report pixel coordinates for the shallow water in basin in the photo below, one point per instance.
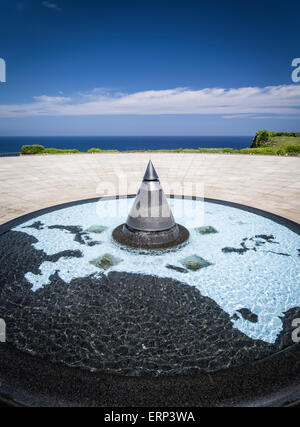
(253, 262)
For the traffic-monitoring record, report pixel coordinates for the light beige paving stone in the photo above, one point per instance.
(35, 182)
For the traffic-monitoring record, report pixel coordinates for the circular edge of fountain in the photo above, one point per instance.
(27, 380)
(292, 225)
(273, 381)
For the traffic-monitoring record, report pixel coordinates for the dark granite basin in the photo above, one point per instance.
(131, 340)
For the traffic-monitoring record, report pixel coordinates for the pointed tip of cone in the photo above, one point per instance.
(150, 174)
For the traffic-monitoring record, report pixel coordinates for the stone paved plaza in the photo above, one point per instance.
(34, 182)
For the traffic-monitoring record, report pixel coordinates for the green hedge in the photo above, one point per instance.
(261, 150)
(59, 151)
(217, 150)
(188, 150)
(282, 150)
(278, 151)
(98, 150)
(40, 149)
(32, 149)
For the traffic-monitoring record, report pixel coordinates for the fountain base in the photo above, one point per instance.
(150, 240)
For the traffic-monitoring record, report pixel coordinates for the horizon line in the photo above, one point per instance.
(123, 136)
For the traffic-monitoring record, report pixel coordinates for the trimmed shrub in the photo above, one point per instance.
(94, 150)
(32, 149)
(98, 150)
(217, 150)
(261, 150)
(209, 150)
(230, 150)
(59, 151)
(281, 151)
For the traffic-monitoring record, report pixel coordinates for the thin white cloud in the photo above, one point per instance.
(50, 5)
(280, 101)
(52, 99)
(100, 93)
(256, 117)
(274, 117)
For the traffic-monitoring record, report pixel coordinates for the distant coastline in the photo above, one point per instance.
(126, 143)
(264, 143)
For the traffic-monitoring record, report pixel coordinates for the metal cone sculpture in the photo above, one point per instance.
(150, 211)
(150, 224)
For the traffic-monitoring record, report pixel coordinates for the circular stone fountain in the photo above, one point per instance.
(184, 324)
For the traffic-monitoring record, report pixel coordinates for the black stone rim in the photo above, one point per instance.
(292, 225)
(27, 380)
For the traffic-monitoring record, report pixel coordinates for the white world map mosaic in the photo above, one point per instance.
(264, 279)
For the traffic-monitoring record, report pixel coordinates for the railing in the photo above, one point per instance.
(9, 154)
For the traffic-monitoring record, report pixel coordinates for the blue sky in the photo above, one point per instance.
(149, 67)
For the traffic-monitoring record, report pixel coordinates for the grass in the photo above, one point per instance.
(58, 151)
(98, 150)
(284, 140)
(277, 140)
(275, 143)
(280, 146)
(40, 149)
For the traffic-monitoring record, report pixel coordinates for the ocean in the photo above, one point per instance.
(123, 143)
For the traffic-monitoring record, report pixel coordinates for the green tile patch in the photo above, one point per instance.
(195, 262)
(96, 229)
(207, 229)
(106, 261)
